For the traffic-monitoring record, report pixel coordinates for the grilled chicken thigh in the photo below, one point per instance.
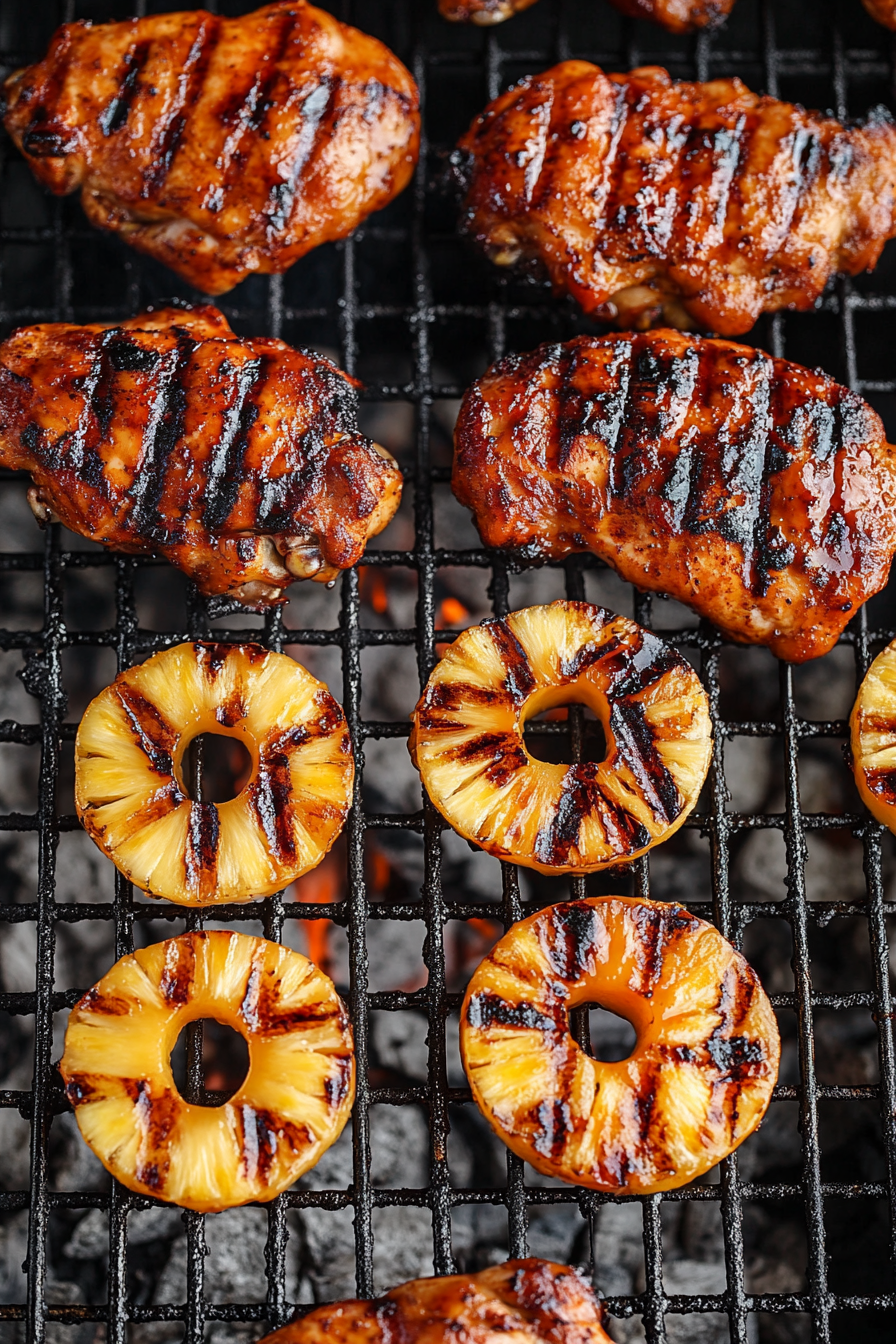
(761, 494)
(699, 203)
(220, 146)
(520, 1302)
(679, 16)
(238, 460)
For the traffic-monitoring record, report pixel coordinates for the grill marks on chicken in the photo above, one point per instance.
(238, 460)
(678, 16)
(700, 203)
(527, 1301)
(761, 494)
(220, 146)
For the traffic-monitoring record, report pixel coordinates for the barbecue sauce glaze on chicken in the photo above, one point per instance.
(520, 1302)
(760, 493)
(219, 146)
(678, 16)
(240, 461)
(697, 204)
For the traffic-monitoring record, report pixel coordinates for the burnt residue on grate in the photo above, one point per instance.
(793, 1238)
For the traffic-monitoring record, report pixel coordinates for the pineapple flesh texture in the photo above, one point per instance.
(700, 1076)
(873, 738)
(292, 1105)
(467, 738)
(131, 795)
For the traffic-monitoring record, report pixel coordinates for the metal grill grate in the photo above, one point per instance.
(406, 300)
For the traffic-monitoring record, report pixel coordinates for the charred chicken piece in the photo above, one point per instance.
(679, 16)
(761, 494)
(699, 204)
(220, 146)
(523, 1301)
(240, 461)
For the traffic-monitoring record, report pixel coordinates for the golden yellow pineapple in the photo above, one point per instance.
(467, 738)
(132, 799)
(700, 1076)
(291, 1107)
(873, 738)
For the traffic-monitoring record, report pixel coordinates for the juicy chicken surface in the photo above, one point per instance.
(703, 204)
(219, 146)
(520, 1302)
(760, 493)
(238, 460)
(678, 16)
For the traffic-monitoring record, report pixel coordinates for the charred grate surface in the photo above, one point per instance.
(409, 310)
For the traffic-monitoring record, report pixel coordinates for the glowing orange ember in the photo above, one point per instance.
(452, 612)
(373, 589)
(319, 887)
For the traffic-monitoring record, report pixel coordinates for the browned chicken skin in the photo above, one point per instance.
(698, 203)
(238, 460)
(758, 492)
(220, 146)
(520, 1302)
(679, 16)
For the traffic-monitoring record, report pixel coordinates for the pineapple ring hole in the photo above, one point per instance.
(214, 767)
(224, 1060)
(555, 747)
(606, 1036)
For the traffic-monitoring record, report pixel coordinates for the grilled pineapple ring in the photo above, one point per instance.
(697, 1083)
(467, 738)
(292, 1105)
(130, 792)
(872, 727)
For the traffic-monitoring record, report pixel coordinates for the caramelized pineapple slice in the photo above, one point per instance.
(697, 1083)
(132, 799)
(467, 738)
(291, 1107)
(873, 738)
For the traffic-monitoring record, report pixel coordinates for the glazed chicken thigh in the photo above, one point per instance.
(761, 494)
(679, 16)
(882, 10)
(695, 203)
(520, 1302)
(238, 460)
(219, 146)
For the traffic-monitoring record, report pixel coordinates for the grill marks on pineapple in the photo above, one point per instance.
(266, 1136)
(632, 795)
(673, 975)
(298, 817)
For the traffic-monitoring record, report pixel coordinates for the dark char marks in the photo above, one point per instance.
(153, 733)
(190, 82)
(164, 431)
(572, 939)
(176, 984)
(226, 471)
(201, 851)
(636, 746)
(490, 1010)
(115, 113)
(519, 679)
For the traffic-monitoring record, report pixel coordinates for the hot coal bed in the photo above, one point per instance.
(793, 1238)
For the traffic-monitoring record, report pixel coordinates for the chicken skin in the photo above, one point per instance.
(219, 146)
(678, 16)
(698, 204)
(238, 460)
(520, 1302)
(761, 494)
